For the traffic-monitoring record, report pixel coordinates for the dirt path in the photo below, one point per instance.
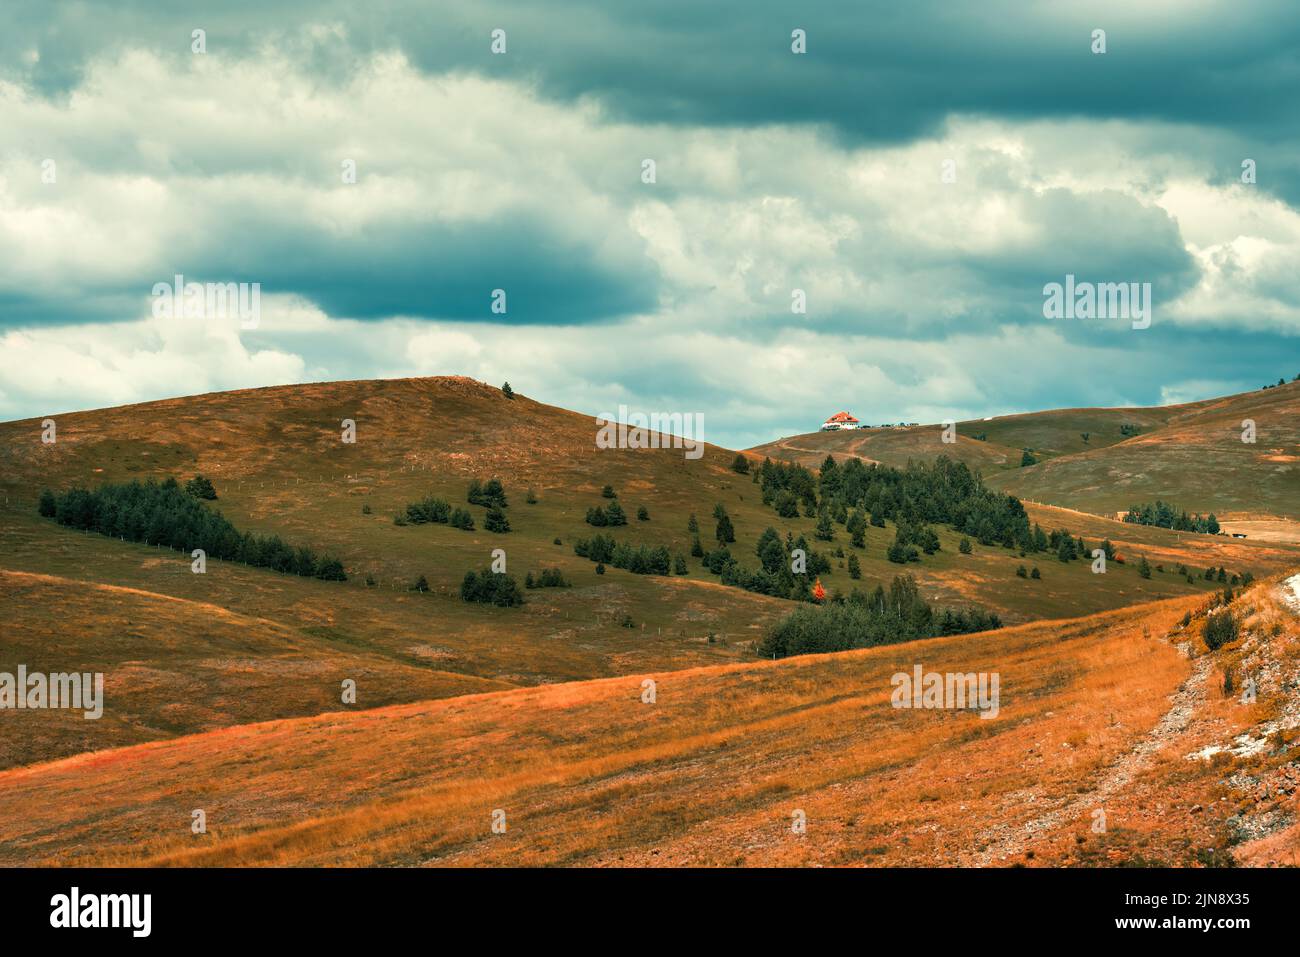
(1291, 593)
(1013, 840)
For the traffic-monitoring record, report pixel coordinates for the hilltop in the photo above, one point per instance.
(1105, 461)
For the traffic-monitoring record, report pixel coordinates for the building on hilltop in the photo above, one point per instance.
(840, 420)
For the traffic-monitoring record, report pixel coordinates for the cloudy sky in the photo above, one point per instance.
(126, 158)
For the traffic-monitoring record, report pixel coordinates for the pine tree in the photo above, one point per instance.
(496, 521)
(855, 567)
(615, 515)
(508, 392)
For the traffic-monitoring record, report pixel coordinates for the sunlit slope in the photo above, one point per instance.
(711, 772)
(173, 666)
(1196, 460)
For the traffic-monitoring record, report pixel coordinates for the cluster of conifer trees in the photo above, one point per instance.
(860, 620)
(490, 494)
(547, 578)
(163, 513)
(491, 588)
(1165, 515)
(436, 511)
(639, 559)
(945, 492)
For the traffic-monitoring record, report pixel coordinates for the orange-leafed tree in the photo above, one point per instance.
(819, 593)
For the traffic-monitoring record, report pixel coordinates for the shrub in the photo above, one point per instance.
(740, 464)
(462, 519)
(548, 578)
(607, 491)
(1220, 629)
(1034, 573)
(421, 584)
(201, 487)
(642, 515)
(964, 546)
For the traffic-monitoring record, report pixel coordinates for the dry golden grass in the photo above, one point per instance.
(709, 774)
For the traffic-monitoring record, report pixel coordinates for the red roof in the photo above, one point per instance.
(841, 417)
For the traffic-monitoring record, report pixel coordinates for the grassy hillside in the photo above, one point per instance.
(1196, 459)
(711, 773)
(279, 467)
(176, 666)
(1190, 454)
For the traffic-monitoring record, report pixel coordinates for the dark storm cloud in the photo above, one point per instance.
(416, 269)
(880, 71)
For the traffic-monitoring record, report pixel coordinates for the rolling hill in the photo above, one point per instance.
(1192, 454)
(225, 686)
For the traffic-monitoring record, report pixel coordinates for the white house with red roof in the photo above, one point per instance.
(840, 420)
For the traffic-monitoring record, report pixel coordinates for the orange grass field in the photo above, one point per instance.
(711, 773)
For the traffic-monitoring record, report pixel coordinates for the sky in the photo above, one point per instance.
(918, 174)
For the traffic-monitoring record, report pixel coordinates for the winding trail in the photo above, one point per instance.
(1013, 840)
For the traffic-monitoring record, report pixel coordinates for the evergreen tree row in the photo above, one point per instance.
(548, 578)
(491, 588)
(165, 514)
(1164, 515)
(437, 511)
(639, 559)
(867, 620)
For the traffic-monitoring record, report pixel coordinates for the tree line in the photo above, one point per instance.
(882, 617)
(162, 513)
(1164, 515)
